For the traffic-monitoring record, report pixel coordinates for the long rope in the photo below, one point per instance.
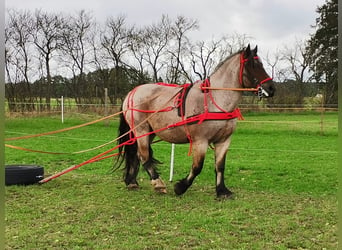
(60, 153)
(102, 155)
(82, 151)
(33, 150)
(64, 129)
(93, 159)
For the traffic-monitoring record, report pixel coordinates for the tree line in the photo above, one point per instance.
(52, 54)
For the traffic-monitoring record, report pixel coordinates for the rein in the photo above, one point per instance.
(232, 89)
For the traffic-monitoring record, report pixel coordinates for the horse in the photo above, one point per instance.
(203, 114)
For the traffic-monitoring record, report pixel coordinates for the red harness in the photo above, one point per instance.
(179, 103)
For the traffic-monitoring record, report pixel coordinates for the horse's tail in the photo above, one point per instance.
(128, 154)
(128, 150)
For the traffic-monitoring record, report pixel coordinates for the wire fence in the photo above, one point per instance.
(29, 109)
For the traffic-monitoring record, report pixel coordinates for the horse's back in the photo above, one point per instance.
(150, 96)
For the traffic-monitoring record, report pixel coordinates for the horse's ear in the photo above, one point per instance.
(255, 50)
(248, 51)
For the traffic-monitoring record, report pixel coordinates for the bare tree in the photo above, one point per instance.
(115, 41)
(76, 49)
(203, 58)
(156, 38)
(47, 39)
(179, 30)
(98, 51)
(231, 44)
(19, 54)
(9, 55)
(294, 73)
(136, 48)
(272, 62)
(100, 64)
(297, 61)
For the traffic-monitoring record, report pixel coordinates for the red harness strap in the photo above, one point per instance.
(242, 66)
(208, 116)
(217, 115)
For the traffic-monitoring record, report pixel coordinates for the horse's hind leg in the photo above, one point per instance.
(145, 154)
(199, 152)
(131, 176)
(132, 166)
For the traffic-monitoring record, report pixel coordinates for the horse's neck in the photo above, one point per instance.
(227, 76)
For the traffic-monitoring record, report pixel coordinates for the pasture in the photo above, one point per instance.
(282, 170)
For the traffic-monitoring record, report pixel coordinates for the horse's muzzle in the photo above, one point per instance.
(266, 90)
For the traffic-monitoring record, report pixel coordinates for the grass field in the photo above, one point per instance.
(282, 169)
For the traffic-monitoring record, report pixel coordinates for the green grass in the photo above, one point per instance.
(282, 170)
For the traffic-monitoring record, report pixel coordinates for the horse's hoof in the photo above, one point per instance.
(159, 186)
(180, 187)
(226, 196)
(133, 186)
(160, 190)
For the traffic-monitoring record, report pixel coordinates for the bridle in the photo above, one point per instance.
(243, 62)
(205, 86)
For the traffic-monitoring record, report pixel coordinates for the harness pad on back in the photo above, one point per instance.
(182, 99)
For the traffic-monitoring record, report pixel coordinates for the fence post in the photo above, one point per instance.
(322, 114)
(172, 161)
(106, 104)
(62, 108)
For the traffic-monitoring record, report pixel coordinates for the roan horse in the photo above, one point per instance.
(200, 114)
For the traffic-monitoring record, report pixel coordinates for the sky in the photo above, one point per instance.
(272, 24)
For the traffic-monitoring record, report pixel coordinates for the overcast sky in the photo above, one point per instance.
(271, 23)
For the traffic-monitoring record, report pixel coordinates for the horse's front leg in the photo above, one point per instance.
(199, 151)
(220, 159)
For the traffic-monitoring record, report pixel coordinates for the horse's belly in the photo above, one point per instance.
(173, 135)
(211, 131)
(220, 130)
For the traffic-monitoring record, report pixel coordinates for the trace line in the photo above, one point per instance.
(55, 136)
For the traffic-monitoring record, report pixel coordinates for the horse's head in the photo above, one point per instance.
(253, 74)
